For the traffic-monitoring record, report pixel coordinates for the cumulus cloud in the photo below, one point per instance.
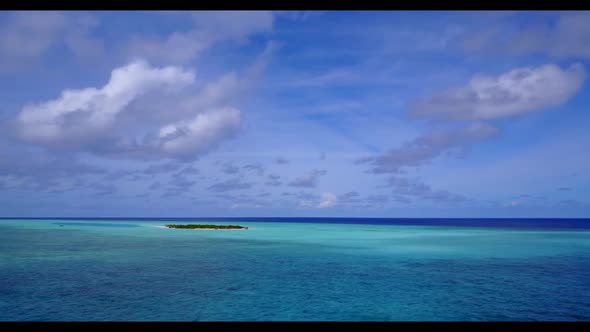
(515, 92)
(327, 200)
(518, 91)
(309, 180)
(100, 119)
(77, 112)
(230, 185)
(427, 147)
(189, 139)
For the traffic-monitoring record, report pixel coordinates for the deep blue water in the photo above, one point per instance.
(291, 270)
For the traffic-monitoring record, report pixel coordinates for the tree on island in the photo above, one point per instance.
(200, 226)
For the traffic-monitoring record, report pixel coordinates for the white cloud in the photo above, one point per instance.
(95, 109)
(174, 123)
(570, 35)
(178, 47)
(79, 38)
(298, 15)
(27, 36)
(427, 147)
(232, 24)
(564, 36)
(209, 29)
(194, 137)
(518, 91)
(305, 204)
(327, 200)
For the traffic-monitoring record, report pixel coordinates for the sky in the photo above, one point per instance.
(294, 114)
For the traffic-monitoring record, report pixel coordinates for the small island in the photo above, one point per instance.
(201, 226)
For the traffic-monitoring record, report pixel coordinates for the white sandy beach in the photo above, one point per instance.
(208, 229)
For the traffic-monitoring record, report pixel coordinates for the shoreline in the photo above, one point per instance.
(207, 229)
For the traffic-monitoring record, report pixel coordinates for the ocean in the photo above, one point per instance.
(295, 269)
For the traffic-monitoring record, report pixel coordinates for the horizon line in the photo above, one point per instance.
(212, 217)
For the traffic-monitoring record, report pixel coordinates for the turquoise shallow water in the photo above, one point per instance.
(131, 270)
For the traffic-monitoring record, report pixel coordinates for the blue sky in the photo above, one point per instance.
(359, 114)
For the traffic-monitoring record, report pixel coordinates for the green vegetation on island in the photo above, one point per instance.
(194, 226)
